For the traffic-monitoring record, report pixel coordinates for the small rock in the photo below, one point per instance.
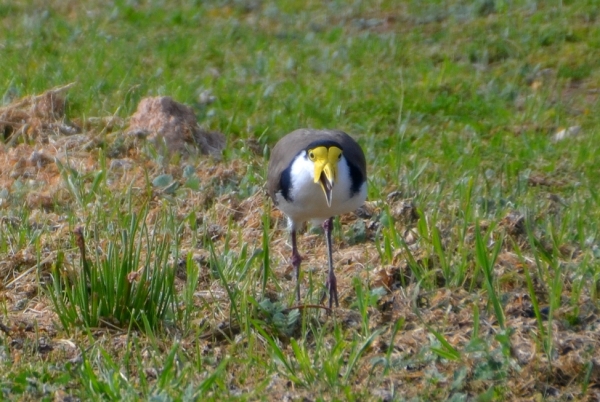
(121, 164)
(365, 211)
(20, 304)
(570, 132)
(206, 97)
(40, 159)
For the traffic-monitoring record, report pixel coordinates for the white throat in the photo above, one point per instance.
(307, 198)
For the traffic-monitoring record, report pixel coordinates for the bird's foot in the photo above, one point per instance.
(296, 260)
(331, 288)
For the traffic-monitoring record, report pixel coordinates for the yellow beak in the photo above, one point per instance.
(326, 160)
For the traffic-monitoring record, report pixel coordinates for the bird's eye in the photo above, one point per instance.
(311, 156)
(340, 157)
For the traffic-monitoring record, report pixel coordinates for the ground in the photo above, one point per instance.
(470, 273)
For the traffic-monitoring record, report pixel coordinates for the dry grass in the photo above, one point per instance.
(471, 272)
(524, 370)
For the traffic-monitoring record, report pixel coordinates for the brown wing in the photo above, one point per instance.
(293, 143)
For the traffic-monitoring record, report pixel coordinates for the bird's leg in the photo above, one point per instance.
(296, 260)
(331, 280)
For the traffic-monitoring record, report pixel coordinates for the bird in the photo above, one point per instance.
(315, 175)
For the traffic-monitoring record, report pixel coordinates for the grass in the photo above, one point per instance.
(473, 275)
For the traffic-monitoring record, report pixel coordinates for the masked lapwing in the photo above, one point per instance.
(315, 175)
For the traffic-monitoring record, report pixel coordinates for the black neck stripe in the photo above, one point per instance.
(356, 177)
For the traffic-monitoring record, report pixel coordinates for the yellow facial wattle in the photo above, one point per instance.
(325, 160)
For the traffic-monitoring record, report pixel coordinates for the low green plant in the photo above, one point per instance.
(101, 376)
(366, 299)
(192, 275)
(486, 262)
(83, 187)
(284, 320)
(130, 281)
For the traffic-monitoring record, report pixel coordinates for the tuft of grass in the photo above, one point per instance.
(130, 283)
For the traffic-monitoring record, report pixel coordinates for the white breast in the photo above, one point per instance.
(308, 199)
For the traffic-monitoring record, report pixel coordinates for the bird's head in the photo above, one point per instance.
(325, 160)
